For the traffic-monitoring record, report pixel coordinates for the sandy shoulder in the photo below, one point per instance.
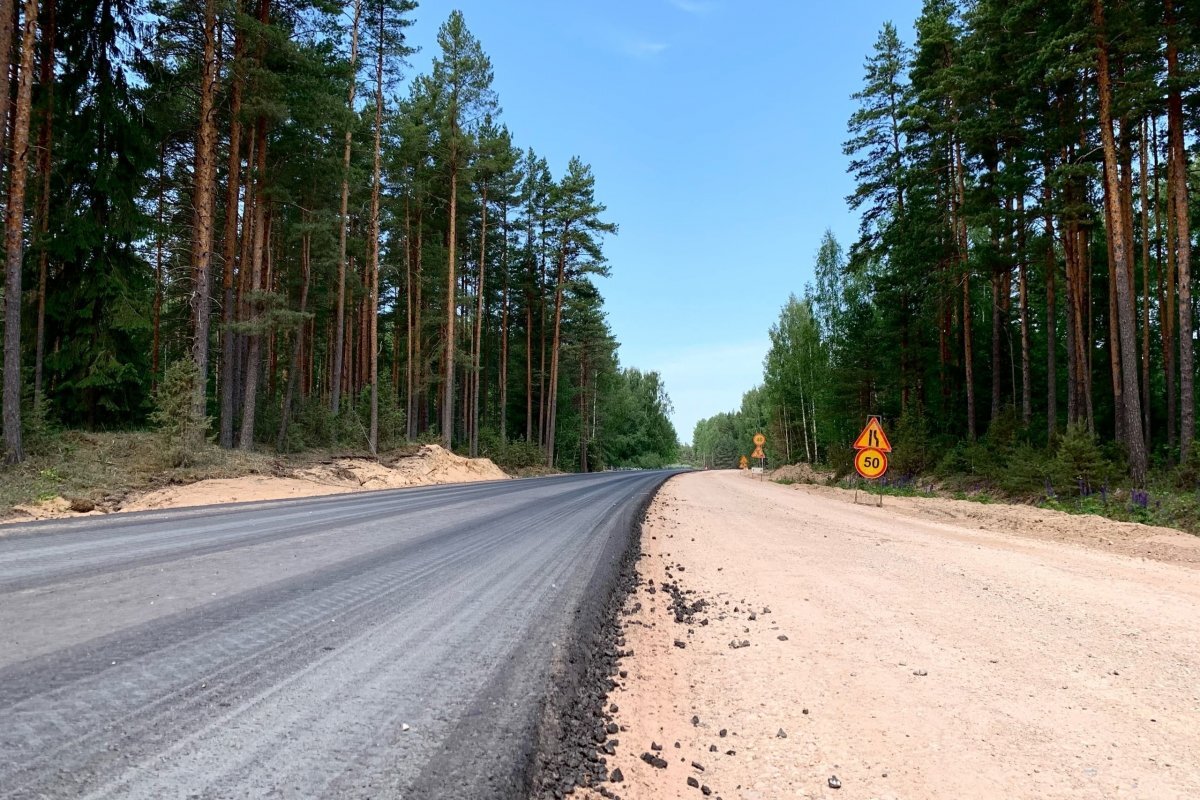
(938, 652)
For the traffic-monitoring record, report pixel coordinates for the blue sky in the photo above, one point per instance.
(714, 129)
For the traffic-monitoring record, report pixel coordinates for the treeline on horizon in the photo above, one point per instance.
(1020, 299)
(250, 204)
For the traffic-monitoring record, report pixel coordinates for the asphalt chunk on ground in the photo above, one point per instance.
(386, 644)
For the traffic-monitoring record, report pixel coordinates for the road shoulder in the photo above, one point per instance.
(786, 642)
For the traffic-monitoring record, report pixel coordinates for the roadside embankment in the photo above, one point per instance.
(97, 480)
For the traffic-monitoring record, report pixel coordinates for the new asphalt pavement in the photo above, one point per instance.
(393, 644)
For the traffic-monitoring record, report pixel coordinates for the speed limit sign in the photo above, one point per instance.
(871, 463)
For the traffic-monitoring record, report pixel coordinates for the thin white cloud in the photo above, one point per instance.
(693, 6)
(643, 48)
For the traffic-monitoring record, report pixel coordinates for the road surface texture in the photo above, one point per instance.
(925, 649)
(394, 644)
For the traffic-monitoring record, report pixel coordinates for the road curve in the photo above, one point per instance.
(385, 644)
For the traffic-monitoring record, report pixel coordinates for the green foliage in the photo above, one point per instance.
(912, 447)
(511, 456)
(310, 427)
(181, 428)
(637, 423)
(1187, 475)
(1079, 464)
(39, 427)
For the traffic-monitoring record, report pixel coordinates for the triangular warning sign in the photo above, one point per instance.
(873, 437)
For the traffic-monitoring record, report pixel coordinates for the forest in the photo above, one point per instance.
(246, 221)
(1019, 304)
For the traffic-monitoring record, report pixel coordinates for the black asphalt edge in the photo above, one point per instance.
(573, 733)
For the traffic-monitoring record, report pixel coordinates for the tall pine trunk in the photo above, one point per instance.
(1183, 240)
(962, 244)
(409, 363)
(1023, 300)
(7, 15)
(451, 310)
(339, 324)
(1135, 443)
(14, 240)
(257, 259)
(504, 324)
(552, 399)
(477, 345)
(298, 342)
(1051, 319)
(204, 197)
(1145, 209)
(229, 240)
(373, 245)
(45, 146)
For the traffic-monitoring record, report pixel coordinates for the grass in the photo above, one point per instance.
(1165, 506)
(1162, 503)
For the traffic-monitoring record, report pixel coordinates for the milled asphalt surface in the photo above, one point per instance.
(393, 644)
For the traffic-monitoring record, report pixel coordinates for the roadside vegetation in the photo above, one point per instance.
(1018, 306)
(255, 226)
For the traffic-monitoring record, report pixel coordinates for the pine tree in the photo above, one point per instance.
(463, 77)
(14, 238)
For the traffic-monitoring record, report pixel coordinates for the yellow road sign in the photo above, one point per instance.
(873, 437)
(759, 439)
(871, 463)
(743, 463)
(758, 453)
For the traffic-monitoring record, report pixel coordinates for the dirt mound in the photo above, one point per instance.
(434, 464)
(55, 507)
(799, 473)
(431, 465)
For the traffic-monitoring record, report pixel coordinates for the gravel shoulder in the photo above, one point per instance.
(785, 641)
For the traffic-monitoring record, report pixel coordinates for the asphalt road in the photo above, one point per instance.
(393, 644)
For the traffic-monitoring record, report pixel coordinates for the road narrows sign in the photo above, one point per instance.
(872, 446)
(873, 437)
(870, 463)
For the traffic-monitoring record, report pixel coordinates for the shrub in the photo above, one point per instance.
(1187, 474)
(514, 455)
(912, 446)
(1027, 473)
(1080, 464)
(841, 461)
(175, 417)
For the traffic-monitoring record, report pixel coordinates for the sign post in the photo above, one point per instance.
(870, 458)
(759, 441)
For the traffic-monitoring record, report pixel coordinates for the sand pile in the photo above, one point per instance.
(799, 473)
(431, 465)
(434, 464)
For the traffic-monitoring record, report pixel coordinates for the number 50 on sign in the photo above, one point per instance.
(871, 463)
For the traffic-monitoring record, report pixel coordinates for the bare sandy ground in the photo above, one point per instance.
(431, 465)
(920, 650)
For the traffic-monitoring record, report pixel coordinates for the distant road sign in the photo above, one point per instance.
(758, 453)
(873, 437)
(871, 463)
(759, 440)
(743, 462)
